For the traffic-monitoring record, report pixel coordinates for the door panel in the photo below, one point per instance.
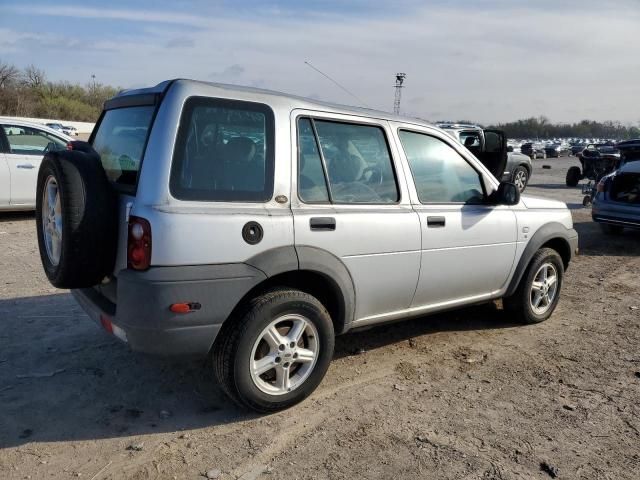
(379, 246)
(471, 255)
(5, 182)
(24, 176)
(468, 246)
(358, 207)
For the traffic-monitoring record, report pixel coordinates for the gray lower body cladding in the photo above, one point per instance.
(143, 299)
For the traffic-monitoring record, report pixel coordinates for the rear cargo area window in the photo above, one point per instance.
(224, 152)
(120, 141)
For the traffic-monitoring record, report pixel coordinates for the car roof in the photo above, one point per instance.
(40, 126)
(630, 167)
(296, 101)
(635, 143)
(458, 126)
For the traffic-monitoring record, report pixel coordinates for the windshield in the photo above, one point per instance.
(120, 142)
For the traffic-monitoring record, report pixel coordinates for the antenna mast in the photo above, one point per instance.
(398, 86)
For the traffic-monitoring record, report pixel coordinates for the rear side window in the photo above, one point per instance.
(224, 152)
(120, 141)
(344, 163)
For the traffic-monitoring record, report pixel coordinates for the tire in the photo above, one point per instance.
(240, 342)
(609, 229)
(85, 214)
(520, 304)
(520, 177)
(574, 175)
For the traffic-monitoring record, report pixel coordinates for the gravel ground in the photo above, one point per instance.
(466, 394)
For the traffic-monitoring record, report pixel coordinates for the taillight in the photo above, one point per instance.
(139, 244)
(601, 185)
(70, 146)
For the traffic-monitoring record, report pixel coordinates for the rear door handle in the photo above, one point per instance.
(26, 166)
(435, 222)
(322, 223)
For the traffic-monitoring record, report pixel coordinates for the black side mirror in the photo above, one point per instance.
(510, 148)
(506, 194)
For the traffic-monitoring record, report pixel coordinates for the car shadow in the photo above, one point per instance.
(487, 316)
(551, 186)
(593, 240)
(62, 378)
(16, 216)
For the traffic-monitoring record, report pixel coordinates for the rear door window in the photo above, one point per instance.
(120, 141)
(344, 163)
(224, 151)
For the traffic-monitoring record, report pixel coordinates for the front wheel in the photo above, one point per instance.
(538, 293)
(277, 352)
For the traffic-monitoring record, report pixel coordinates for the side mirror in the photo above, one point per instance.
(509, 148)
(507, 194)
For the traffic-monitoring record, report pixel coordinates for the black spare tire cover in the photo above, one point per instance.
(76, 219)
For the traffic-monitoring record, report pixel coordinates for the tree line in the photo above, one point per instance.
(28, 93)
(542, 128)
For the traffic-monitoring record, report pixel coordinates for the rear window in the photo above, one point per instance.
(120, 142)
(224, 151)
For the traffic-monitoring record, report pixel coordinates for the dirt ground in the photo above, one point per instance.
(463, 395)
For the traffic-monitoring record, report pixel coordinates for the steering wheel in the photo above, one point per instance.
(375, 178)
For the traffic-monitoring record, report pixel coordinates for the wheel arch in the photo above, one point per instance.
(311, 270)
(552, 235)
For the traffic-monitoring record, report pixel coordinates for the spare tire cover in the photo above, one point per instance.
(76, 219)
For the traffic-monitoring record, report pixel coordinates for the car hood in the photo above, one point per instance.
(542, 203)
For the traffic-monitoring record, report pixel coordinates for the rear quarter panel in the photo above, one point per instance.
(206, 232)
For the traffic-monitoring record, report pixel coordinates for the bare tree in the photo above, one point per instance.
(33, 77)
(8, 74)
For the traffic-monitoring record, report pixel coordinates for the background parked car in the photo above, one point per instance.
(616, 204)
(22, 146)
(556, 150)
(533, 150)
(477, 140)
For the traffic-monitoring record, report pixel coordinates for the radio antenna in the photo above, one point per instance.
(334, 81)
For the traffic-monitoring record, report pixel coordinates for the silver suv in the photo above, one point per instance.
(253, 227)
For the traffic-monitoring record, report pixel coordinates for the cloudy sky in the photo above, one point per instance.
(483, 60)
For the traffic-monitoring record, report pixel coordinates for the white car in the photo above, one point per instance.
(22, 146)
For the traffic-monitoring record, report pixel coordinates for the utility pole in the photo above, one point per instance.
(398, 86)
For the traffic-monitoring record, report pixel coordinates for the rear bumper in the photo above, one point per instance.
(623, 215)
(141, 316)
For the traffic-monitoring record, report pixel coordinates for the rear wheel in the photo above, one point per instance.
(574, 175)
(538, 293)
(277, 352)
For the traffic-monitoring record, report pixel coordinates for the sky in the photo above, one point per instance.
(483, 60)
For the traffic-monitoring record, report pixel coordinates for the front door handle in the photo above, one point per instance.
(435, 222)
(26, 166)
(323, 223)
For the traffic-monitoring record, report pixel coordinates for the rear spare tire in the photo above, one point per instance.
(76, 219)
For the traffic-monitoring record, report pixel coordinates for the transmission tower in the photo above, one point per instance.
(399, 81)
